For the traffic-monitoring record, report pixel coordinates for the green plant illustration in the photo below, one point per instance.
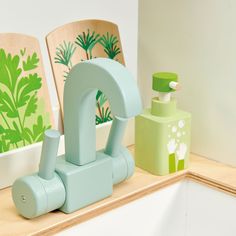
(109, 42)
(22, 52)
(20, 124)
(31, 62)
(104, 113)
(64, 54)
(88, 41)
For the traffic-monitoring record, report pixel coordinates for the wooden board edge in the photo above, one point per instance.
(80, 218)
(109, 206)
(211, 183)
(74, 22)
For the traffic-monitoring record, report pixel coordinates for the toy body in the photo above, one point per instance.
(85, 184)
(82, 176)
(159, 139)
(162, 133)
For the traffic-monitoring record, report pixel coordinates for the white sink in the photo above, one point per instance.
(182, 209)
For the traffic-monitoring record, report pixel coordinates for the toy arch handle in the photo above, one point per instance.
(81, 86)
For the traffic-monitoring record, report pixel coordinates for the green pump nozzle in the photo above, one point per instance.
(165, 83)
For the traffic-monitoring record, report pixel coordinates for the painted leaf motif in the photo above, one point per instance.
(2, 130)
(99, 93)
(31, 106)
(19, 100)
(102, 99)
(87, 41)
(9, 70)
(25, 87)
(22, 52)
(4, 144)
(13, 135)
(38, 129)
(7, 105)
(109, 42)
(27, 135)
(64, 53)
(37, 133)
(106, 114)
(31, 62)
(98, 120)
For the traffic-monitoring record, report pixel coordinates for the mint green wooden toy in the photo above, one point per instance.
(82, 176)
(162, 133)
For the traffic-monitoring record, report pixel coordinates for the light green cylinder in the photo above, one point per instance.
(163, 109)
(49, 154)
(34, 196)
(122, 166)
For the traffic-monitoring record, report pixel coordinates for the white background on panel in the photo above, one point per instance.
(38, 18)
(197, 40)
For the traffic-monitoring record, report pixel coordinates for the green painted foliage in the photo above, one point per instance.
(105, 116)
(109, 42)
(19, 101)
(31, 62)
(22, 52)
(36, 133)
(64, 54)
(87, 41)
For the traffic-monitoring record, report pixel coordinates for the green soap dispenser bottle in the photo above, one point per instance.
(162, 133)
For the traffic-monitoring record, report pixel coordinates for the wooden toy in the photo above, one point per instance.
(25, 108)
(80, 41)
(82, 176)
(162, 133)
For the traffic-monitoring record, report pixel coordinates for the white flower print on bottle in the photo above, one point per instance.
(171, 146)
(181, 151)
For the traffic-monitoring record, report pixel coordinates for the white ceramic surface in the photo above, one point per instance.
(183, 209)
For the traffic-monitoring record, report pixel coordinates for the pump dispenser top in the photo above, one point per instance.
(162, 132)
(165, 83)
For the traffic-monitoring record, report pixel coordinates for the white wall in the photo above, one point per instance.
(38, 18)
(196, 39)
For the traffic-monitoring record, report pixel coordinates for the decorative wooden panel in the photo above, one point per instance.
(79, 41)
(25, 109)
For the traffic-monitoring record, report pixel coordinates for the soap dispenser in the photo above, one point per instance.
(162, 132)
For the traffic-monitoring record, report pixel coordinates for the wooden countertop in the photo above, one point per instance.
(208, 172)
